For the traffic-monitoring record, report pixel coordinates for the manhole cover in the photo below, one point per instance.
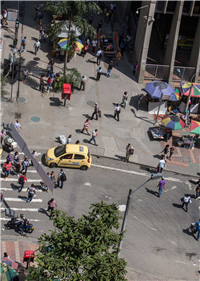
(114, 76)
(17, 115)
(35, 119)
(90, 102)
(21, 99)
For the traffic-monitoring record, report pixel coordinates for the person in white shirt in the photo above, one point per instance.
(99, 71)
(17, 125)
(99, 55)
(94, 44)
(37, 46)
(25, 73)
(117, 111)
(69, 139)
(94, 135)
(186, 201)
(161, 164)
(83, 81)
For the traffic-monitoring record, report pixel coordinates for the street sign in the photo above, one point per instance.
(12, 14)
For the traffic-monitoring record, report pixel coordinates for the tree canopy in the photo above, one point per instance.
(83, 249)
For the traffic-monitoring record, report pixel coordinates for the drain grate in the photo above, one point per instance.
(17, 115)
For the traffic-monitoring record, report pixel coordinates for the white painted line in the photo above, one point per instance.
(14, 189)
(22, 199)
(87, 183)
(120, 170)
(22, 209)
(5, 219)
(13, 152)
(13, 179)
(174, 187)
(28, 171)
(144, 223)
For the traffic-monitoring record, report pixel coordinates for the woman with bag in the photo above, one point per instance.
(7, 169)
(31, 193)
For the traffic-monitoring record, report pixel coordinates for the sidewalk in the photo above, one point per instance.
(53, 119)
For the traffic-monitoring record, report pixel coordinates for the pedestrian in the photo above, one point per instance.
(37, 11)
(117, 111)
(161, 186)
(83, 81)
(52, 64)
(99, 55)
(110, 67)
(168, 134)
(22, 180)
(94, 44)
(118, 58)
(99, 72)
(94, 135)
(121, 37)
(99, 26)
(42, 83)
(17, 125)
(171, 152)
(25, 73)
(40, 16)
(85, 49)
(124, 99)
(4, 15)
(197, 191)
(112, 22)
(88, 40)
(34, 154)
(31, 192)
(25, 165)
(161, 164)
(186, 201)
(140, 99)
(85, 127)
(18, 167)
(9, 157)
(44, 185)
(7, 169)
(23, 43)
(135, 66)
(3, 134)
(37, 45)
(198, 229)
(61, 178)
(96, 111)
(129, 152)
(51, 205)
(1, 197)
(122, 47)
(77, 142)
(16, 156)
(49, 81)
(165, 150)
(69, 139)
(48, 69)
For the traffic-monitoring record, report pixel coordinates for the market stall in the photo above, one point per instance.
(194, 104)
(158, 133)
(186, 142)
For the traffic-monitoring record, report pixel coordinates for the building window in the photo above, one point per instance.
(171, 6)
(160, 6)
(186, 7)
(197, 7)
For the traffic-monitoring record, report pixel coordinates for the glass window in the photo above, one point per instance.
(60, 150)
(79, 156)
(197, 7)
(186, 6)
(171, 6)
(67, 156)
(160, 6)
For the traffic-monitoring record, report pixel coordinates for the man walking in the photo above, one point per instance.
(17, 125)
(99, 71)
(96, 111)
(129, 152)
(165, 150)
(83, 81)
(186, 201)
(23, 43)
(161, 164)
(31, 193)
(161, 186)
(198, 229)
(117, 111)
(37, 46)
(61, 178)
(94, 44)
(42, 83)
(99, 55)
(22, 180)
(171, 152)
(94, 135)
(86, 124)
(110, 67)
(37, 10)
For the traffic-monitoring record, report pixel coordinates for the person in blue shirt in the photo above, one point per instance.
(122, 47)
(23, 43)
(40, 17)
(198, 229)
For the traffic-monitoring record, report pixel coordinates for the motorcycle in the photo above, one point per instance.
(13, 223)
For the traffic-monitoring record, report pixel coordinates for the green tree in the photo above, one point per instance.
(73, 13)
(73, 77)
(83, 249)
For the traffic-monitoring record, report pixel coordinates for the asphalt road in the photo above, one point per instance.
(157, 245)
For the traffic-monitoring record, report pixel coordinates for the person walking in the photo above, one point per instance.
(197, 191)
(61, 178)
(83, 81)
(7, 169)
(16, 156)
(17, 125)
(22, 180)
(94, 44)
(31, 192)
(85, 49)
(129, 152)
(161, 186)
(37, 46)
(171, 152)
(118, 58)
(40, 16)
(99, 71)
(140, 99)
(51, 205)
(99, 26)
(9, 158)
(25, 165)
(99, 56)
(52, 64)
(161, 164)
(186, 201)
(112, 22)
(117, 111)
(48, 69)
(49, 81)
(25, 73)
(94, 135)
(77, 142)
(110, 67)
(122, 47)
(42, 83)
(23, 43)
(18, 167)
(165, 150)
(69, 139)
(96, 111)
(198, 229)
(85, 127)
(124, 99)
(135, 66)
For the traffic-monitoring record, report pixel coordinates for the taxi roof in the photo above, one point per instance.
(76, 148)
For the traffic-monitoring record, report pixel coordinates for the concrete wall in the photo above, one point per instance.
(195, 54)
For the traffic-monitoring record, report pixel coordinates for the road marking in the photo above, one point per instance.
(120, 170)
(144, 223)
(173, 187)
(22, 199)
(11, 179)
(23, 209)
(14, 189)
(28, 171)
(88, 184)
(5, 219)
(13, 152)
(182, 262)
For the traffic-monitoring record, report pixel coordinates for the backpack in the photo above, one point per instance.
(131, 151)
(21, 180)
(63, 177)
(100, 56)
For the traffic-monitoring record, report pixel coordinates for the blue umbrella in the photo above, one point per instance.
(154, 89)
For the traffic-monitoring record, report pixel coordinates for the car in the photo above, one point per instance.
(69, 156)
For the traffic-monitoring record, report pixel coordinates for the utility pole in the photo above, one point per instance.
(159, 107)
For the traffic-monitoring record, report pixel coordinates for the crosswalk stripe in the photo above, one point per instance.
(13, 179)
(28, 171)
(22, 199)
(14, 189)
(22, 209)
(4, 160)
(5, 219)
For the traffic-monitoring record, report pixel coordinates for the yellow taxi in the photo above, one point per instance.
(69, 155)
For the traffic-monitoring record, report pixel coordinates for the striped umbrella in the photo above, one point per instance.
(173, 122)
(185, 86)
(176, 95)
(195, 127)
(63, 44)
(7, 272)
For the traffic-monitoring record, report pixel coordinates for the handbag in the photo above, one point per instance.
(182, 199)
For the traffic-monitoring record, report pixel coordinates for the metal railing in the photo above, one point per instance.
(186, 73)
(156, 72)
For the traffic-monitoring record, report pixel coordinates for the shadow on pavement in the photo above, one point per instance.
(55, 102)
(87, 116)
(91, 61)
(141, 118)
(109, 116)
(43, 211)
(152, 191)
(179, 206)
(78, 131)
(93, 78)
(120, 157)
(188, 232)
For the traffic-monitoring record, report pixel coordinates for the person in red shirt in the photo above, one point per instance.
(86, 124)
(42, 83)
(49, 81)
(22, 180)
(85, 49)
(8, 167)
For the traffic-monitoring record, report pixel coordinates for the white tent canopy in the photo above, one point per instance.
(64, 33)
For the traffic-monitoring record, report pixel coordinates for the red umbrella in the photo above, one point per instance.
(11, 263)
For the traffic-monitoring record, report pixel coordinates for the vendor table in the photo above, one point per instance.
(158, 133)
(186, 142)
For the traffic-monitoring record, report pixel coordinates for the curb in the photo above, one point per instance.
(146, 166)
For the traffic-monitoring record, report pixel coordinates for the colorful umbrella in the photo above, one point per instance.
(63, 44)
(173, 122)
(79, 45)
(7, 272)
(11, 263)
(176, 95)
(195, 127)
(155, 89)
(185, 86)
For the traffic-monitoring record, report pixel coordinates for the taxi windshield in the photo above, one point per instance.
(60, 150)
